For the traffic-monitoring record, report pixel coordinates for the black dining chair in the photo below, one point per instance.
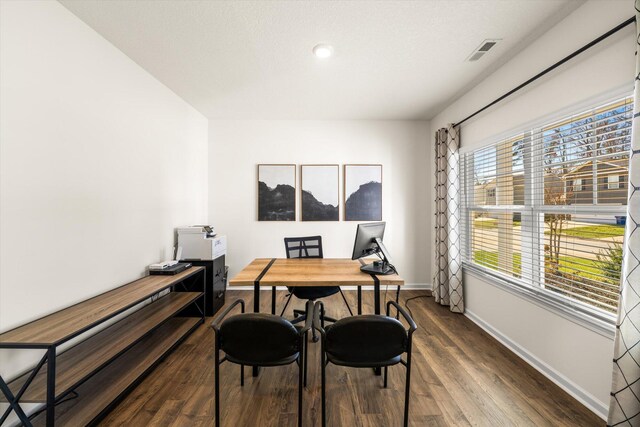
(259, 339)
(309, 247)
(366, 341)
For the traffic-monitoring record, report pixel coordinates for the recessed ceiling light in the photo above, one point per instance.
(323, 50)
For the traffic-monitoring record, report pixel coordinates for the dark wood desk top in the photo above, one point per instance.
(69, 322)
(309, 272)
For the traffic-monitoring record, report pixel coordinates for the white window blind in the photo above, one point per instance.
(545, 208)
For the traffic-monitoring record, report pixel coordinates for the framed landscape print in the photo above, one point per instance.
(276, 192)
(363, 192)
(320, 192)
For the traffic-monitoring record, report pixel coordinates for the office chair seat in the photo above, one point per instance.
(313, 292)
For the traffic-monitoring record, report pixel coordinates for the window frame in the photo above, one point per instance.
(533, 209)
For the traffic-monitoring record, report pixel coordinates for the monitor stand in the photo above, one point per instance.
(378, 267)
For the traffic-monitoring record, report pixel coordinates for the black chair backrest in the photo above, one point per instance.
(303, 247)
(366, 338)
(258, 338)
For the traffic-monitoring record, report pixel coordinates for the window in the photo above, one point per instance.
(491, 193)
(577, 184)
(553, 227)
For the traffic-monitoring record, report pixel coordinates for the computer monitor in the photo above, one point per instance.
(369, 242)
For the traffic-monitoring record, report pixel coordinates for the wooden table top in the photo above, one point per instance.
(309, 272)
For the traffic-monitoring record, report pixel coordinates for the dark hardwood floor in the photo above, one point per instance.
(461, 376)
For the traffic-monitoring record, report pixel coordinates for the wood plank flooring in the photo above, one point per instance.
(461, 376)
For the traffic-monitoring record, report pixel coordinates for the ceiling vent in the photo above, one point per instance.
(484, 47)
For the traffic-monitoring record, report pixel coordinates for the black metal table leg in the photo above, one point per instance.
(51, 386)
(256, 299)
(273, 300)
(256, 309)
(13, 404)
(359, 300)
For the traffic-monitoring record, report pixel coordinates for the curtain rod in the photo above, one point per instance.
(551, 68)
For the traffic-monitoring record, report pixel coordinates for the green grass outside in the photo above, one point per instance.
(490, 223)
(490, 259)
(588, 269)
(601, 231)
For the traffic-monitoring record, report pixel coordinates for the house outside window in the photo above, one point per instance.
(613, 182)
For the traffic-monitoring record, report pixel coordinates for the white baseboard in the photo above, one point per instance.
(587, 399)
(407, 287)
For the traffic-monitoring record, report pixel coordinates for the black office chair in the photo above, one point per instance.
(309, 247)
(366, 341)
(259, 339)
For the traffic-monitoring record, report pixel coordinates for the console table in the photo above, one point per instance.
(80, 385)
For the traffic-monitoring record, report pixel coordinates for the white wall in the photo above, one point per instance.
(98, 163)
(575, 357)
(236, 147)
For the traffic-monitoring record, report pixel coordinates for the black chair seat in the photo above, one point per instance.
(259, 339)
(313, 292)
(285, 361)
(383, 337)
(365, 364)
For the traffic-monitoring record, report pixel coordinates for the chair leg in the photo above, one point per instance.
(385, 376)
(286, 304)
(347, 304)
(217, 388)
(407, 390)
(300, 386)
(324, 391)
(306, 357)
(241, 375)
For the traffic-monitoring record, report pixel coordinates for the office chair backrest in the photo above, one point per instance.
(303, 247)
(257, 337)
(366, 338)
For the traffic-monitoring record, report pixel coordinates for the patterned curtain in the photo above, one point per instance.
(624, 408)
(447, 282)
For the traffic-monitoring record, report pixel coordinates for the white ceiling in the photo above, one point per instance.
(253, 60)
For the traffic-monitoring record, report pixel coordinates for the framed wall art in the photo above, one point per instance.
(363, 192)
(276, 192)
(320, 192)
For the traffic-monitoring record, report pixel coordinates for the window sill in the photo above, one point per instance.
(600, 322)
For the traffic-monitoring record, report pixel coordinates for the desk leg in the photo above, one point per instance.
(359, 300)
(376, 307)
(256, 309)
(273, 300)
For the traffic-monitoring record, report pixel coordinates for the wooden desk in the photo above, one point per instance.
(310, 272)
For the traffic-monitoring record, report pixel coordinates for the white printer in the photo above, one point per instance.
(201, 242)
